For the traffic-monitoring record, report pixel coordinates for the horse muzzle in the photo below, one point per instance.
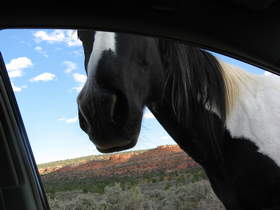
(103, 115)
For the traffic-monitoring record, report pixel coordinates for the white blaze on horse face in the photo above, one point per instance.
(255, 115)
(103, 41)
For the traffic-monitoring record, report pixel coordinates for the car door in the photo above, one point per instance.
(20, 184)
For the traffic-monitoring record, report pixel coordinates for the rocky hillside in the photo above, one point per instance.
(163, 158)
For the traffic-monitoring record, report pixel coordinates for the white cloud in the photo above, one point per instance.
(148, 114)
(16, 73)
(51, 37)
(58, 36)
(78, 88)
(79, 52)
(16, 66)
(40, 50)
(43, 77)
(72, 120)
(80, 79)
(70, 66)
(17, 88)
(72, 38)
(69, 120)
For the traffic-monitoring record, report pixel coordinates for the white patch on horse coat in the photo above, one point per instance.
(255, 115)
(103, 41)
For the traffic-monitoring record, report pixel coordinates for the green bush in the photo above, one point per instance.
(193, 196)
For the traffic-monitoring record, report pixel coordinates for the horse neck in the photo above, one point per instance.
(204, 139)
(195, 140)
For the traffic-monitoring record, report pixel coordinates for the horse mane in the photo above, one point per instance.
(234, 77)
(194, 77)
(195, 85)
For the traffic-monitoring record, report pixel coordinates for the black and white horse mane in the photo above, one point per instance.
(195, 79)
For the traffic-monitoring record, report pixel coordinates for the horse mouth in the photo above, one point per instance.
(120, 117)
(117, 148)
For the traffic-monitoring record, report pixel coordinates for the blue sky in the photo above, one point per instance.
(47, 71)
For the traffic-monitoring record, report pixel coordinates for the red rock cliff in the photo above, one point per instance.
(166, 158)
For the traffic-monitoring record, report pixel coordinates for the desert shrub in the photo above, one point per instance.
(210, 202)
(167, 186)
(187, 196)
(193, 196)
(113, 195)
(85, 190)
(118, 199)
(184, 190)
(180, 180)
(156, 195)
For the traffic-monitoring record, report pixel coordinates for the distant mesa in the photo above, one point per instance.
(166, 158)
(120, 157)
(172, 148)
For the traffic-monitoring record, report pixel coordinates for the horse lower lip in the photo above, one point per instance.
(116, 148)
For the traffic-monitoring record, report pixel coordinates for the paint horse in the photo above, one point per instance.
(226, 119)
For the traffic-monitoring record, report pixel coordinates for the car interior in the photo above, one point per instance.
(246, 30)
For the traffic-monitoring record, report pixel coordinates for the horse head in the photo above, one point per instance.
(123, 75)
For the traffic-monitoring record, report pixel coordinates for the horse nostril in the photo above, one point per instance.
(113, 105)
(105, 108)
(82, 121)
(117, 109)
(120, 109)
